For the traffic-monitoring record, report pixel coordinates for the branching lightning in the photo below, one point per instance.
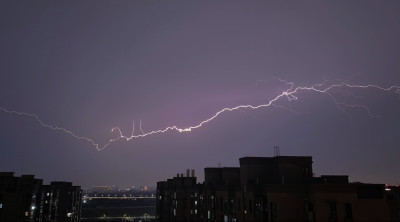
(290, 94)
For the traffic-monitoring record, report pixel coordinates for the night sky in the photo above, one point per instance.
(89, 66)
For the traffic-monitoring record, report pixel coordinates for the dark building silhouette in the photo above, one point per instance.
(25, 198)
(280, 188)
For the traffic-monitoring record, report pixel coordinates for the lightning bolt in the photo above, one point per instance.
(140, 126)
(289, 94)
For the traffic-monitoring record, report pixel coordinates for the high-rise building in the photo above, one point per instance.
(19, 197)
(281, 188)
(27, 199)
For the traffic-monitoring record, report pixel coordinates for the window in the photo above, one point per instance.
(310, 210)
(348, 212)
(274, 211)
(257, 207)
(208, 214)
(333, 212)
(226, 205)
(250, 206)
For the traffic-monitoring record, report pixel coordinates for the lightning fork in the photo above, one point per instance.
(289, 94)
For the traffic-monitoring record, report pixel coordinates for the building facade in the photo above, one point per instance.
(280, 188)
(25, 198)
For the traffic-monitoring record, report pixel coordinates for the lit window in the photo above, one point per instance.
(195, 202)
(209, 214)
(195, 211)
(1, 205)
(48, 194)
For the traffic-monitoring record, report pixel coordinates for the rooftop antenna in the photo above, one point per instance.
(277, 152)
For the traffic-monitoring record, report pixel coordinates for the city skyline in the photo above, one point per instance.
(77, 70)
